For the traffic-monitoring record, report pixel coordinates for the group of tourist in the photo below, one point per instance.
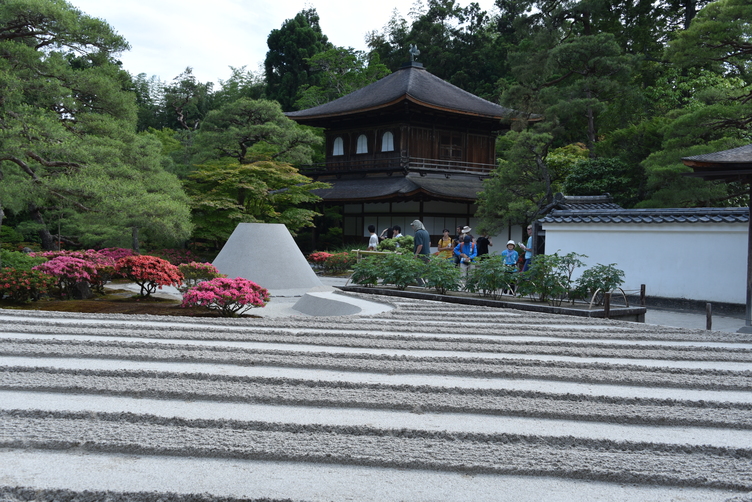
(464, 248)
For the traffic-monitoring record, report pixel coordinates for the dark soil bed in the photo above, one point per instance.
(115, 302)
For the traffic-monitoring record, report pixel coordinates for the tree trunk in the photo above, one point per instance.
(134, 240)
(690, 11)
(48, 241)
(591, 124)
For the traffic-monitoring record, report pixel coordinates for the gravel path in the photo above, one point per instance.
(428, 401)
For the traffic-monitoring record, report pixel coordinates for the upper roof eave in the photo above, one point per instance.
(405, 97)
(740, 156)
(406, 84)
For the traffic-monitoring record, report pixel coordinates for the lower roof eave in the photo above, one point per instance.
(409, 196)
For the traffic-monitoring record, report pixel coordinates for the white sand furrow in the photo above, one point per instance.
(313, 482)
(451, 422)
(530, 385)
(708, 365)
(370, 333)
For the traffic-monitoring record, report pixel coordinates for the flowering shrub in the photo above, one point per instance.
(339, 262)
(232, 297)
(318, 259)
(24, 285)
(176, 256)
(195, 272)
(101, 266)
(116, 253)
(149, 272)
(69, 272)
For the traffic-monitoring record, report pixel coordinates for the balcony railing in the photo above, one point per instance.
(398, 164)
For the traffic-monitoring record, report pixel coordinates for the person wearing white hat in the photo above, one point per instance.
(510, 255)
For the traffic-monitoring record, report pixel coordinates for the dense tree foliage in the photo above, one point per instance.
(609, 96)
(458, 44)
(225, 193)
(249, 130)
(68, 146)
(287, 66)
(641, 84)
(340, 71)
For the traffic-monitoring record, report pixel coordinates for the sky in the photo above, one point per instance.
(166, 36)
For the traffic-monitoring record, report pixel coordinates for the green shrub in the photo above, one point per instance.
(550, 277)
(603, 277)
(401, 269)
(405, 242)
(442, 275)
(9, 235)
(19, 260)
(367, 272)
(491, 277)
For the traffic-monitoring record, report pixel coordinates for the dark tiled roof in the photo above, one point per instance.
(694, 215)
(576, 202)
(408, 83)
(373, 188)
(741, 155)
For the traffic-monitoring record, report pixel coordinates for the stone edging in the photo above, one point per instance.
(621, 313)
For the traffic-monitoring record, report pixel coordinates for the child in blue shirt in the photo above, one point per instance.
(509, 254)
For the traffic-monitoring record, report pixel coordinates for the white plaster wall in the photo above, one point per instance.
(696, 261)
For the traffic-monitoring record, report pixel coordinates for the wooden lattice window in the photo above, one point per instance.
(450, 144)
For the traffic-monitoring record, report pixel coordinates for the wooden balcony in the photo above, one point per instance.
(396, 164)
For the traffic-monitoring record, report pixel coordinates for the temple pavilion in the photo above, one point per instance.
(407, 146)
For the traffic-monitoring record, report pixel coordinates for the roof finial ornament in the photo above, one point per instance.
(414, 52)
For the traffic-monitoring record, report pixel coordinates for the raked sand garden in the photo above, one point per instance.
(419, 401)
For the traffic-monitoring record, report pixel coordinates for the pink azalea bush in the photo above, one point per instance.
(176, 256)
(149, 272)
(318, 258)
(24, 285)
(195, 272)
(339, 262)
(69, 271)
(232, 297)
(116, 253)
(98, 271)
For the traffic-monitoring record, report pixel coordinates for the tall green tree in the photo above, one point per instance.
(525, 181)
(716, 55)
(456, 43)
(249, 130)
(286, 65)
(340, 71)
(67, 139)
(225, 193)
